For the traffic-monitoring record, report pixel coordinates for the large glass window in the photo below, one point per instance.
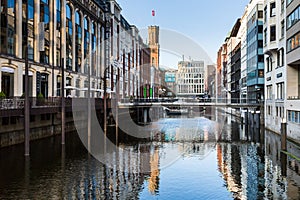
(69, 37)
(28, 29)
(294, 17)
(44, 32)
(58, 21)
(86, 44)
(8, 30)
(93, 63)
(78, 41)
(293, 42)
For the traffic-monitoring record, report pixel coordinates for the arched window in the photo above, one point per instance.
(69, 37)
(78, 34)
(8, 27)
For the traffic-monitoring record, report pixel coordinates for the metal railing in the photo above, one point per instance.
(19, 102)
(194, 100)
(293, 98)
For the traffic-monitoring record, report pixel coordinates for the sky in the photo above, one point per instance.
(204, 22)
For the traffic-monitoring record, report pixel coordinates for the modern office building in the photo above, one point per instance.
(293, 68)
(190, 78)
(221, 73)
(210, 78)
(255, 54)
(243, 39)
(275, 64)
(170, 79)
(233, 63)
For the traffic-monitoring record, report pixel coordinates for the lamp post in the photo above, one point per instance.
(62, 50)
(104, 98)
(26, 106)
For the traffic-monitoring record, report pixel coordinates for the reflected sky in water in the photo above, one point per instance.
(186, 160)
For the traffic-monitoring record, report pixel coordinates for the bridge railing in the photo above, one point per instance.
(193, 100)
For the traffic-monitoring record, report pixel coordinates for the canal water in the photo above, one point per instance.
(204, 156)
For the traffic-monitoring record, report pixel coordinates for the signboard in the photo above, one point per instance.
(145, 92)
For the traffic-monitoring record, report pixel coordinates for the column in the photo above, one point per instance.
(36, 31)
(98, 54)
(90, 48)
(18, 80)
(82, 43)
(54, 33)
(19, 28)
(73, 38)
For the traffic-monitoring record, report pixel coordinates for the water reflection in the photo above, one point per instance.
(191, 158)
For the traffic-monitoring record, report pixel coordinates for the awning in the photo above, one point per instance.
(70, 88)
(7, 70)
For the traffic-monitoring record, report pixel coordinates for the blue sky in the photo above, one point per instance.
(206, 22)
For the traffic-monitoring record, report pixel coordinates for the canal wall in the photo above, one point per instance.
(41, 126)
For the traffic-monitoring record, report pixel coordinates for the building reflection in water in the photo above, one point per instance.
(250, 167)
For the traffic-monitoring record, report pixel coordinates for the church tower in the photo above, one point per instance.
(153, 35)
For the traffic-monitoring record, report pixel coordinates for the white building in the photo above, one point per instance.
(275, 63)
(190, 78)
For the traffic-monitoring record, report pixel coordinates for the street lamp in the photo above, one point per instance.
(104, 96)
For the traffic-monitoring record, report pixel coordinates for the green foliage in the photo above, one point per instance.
(40, 96)
(2, 95)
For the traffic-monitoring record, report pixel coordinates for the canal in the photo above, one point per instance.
(204, 156)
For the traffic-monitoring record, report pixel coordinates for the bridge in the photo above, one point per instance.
(233, 103)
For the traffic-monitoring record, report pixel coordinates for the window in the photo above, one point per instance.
(58, 21)
(288, 2)
(272, 33)
(8, 27)
(266, 35)
(293, 17)
(260, 73)
(78, 40)
(69, 38)
(44, 36)
(293, 42)
(266, 14)
(93, 61)
(272, 9)
(269, 64)
(293, 116)
(282, 5)
(280, 57)
(260, 14)
(269, 110)
(86, 44)
(282, 28)
(280, 90)
(269, 92)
